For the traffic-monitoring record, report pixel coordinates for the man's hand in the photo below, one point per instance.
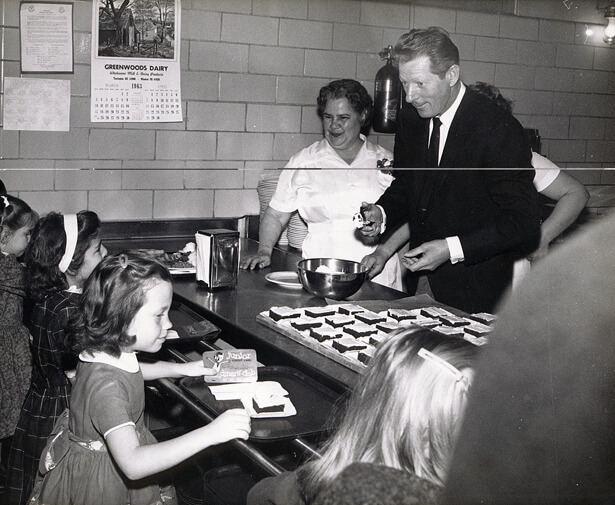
(373, 215)
(375, 262)
(427, 256)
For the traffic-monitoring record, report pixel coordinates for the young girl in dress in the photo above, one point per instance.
(62, 253)
(404, 414)
(16, 222)
(102, 452)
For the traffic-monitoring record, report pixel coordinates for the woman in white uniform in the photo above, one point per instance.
(327, 182)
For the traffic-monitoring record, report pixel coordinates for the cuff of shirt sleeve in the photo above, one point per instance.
(383, 226)
(455, 249)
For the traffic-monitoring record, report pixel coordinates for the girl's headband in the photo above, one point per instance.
(71, 230)
(5, 200)
(443, 364)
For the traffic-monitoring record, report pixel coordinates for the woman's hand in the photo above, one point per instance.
(260, 260)
(231, 424)
(539, 253)
(375, 262)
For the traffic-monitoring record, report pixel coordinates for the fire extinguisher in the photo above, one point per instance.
(387, 94)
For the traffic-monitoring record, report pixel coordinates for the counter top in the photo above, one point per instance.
(235, 310)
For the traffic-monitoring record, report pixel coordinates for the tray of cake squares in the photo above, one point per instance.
(282, 401)
(349, 333)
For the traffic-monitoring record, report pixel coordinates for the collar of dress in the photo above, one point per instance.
(127, 360)
(324, 146)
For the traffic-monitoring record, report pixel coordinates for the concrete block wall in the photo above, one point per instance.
(251, 70)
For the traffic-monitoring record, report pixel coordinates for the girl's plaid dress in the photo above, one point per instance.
(48, 395)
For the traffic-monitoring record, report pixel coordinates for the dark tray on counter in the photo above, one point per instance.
(190, 326)
(314, 402)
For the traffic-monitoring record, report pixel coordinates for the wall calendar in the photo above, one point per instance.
(135, 61)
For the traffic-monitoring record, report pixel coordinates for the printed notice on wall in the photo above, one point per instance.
(36, 104)
(46, 37)
(136, 61)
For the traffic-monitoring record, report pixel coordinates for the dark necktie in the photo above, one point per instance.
(434, 144)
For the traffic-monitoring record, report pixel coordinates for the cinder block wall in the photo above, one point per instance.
(251, 70)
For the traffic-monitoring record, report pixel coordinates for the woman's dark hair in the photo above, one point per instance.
(354, 91)
(433, 42)
(46, 249)
(3, 190)
(493, 93)
(112, 296)
(14, 214)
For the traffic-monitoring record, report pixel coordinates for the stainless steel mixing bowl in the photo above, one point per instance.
(344, 280)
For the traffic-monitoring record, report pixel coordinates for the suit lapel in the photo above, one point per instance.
(456, 139)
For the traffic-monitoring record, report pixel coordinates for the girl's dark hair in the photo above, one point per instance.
(356, 94)
(46, 249)
(14, 214)
(112, 296)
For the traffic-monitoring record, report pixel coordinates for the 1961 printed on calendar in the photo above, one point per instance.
(136, 61)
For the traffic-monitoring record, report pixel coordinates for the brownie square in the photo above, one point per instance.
(387, 327)
(478, 329)
(304, 323)
(426, 322)
(271, 404)
(450, 331)
(319, 311)
(277, 313)
(433, 312)
(376, 339)
(484, 317)
(338, 320)
(360, 330)
(401, 314)
(322, 334)
(348, 344)
(366, 354)
(370, 317)
(454, 320)
(349, 309)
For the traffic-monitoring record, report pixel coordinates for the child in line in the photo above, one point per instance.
(404, 414)
(16, 222)
(62, 253)
(102, 452)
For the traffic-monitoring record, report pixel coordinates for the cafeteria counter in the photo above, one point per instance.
(234, 311)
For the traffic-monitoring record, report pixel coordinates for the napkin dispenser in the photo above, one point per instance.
(217, 258)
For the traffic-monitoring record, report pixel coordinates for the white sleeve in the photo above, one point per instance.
(546, 171)
(455, 249)
(285, 197)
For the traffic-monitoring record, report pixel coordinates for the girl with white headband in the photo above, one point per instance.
(403, 415)
(16, 222)
(64, 250)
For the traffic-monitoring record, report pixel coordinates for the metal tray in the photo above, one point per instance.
(314, 402)
(182, 317)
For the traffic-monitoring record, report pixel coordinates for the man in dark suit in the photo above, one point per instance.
(466, 227)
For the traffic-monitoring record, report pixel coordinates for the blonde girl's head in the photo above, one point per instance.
(111, 298)
(404, 413)
(16, 222)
